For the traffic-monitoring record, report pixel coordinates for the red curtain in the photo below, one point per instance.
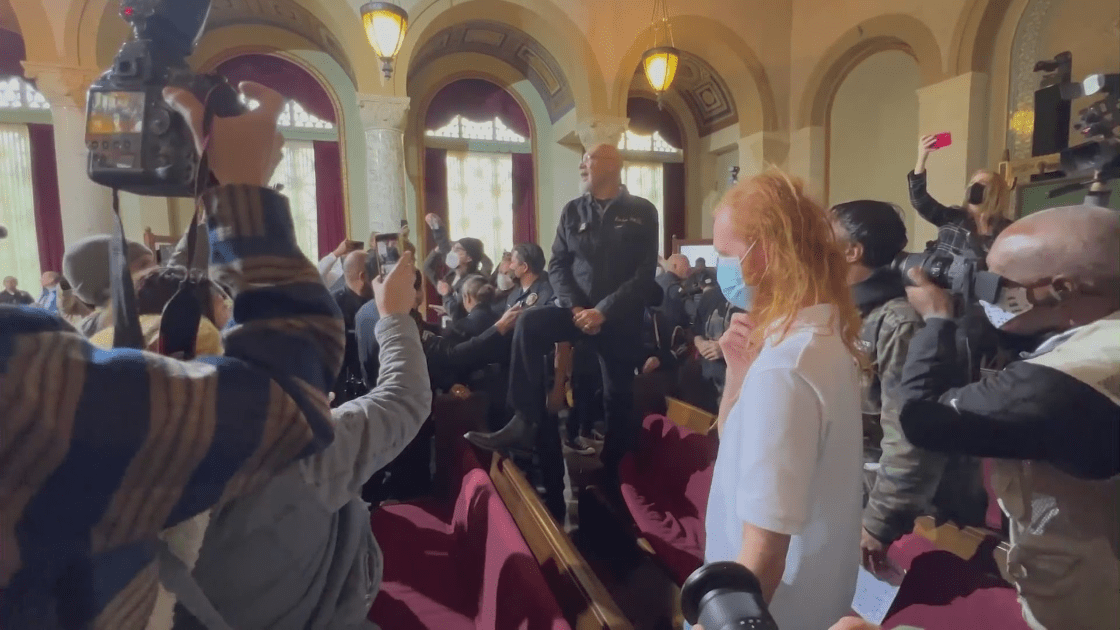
(48, 207)
(283, 76)
(646, 118)
(524, 199)
(477, 100)
(673, 191)
(329, 196)
(435, 202)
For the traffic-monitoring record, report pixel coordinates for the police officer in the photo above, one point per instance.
(602, 268)
(532, 286)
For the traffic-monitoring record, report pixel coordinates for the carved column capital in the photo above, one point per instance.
(63, 86)
(384, 112)
(601, 130)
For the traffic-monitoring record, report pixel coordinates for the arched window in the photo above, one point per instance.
(20, 104)
(317, 213)
(653, 165)
(479, 133)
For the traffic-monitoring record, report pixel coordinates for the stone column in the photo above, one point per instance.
(807, 159)
(86, 206)
(959, 106)
(384, 119)
(601, 130)
(761, 151)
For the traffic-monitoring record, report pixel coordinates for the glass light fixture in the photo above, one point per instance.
(386, 25)
(660, 62)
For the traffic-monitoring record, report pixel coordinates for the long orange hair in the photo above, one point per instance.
(804, 263)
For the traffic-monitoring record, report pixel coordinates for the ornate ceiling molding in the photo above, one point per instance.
(285, 14)
(705, 92)
(508, 44)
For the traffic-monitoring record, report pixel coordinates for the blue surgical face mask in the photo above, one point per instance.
(729, 275)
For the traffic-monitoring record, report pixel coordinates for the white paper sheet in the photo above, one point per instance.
(875, 594)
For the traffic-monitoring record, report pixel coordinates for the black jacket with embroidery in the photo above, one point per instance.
(606, 263)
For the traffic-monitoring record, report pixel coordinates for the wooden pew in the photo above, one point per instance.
(583, 599)
(689, 416)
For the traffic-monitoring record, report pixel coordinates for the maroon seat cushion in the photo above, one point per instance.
(457, 566)
(943, 592)
(665, 484)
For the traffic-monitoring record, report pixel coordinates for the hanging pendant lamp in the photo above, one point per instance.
(385, 25)
(660, 62)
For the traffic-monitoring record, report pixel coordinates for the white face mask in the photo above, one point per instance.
(505, 283)
(1012, 303)
(452, 260)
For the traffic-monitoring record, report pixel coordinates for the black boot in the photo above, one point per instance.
(516, 434)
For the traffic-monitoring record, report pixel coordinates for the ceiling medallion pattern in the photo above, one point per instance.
(705, 92)
(507, 44)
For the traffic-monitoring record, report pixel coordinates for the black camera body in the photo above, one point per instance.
(137, 143)
(960, 274)
(725, 596)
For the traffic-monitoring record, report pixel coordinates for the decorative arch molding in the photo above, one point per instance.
(729, 82)
(507, 44)
(704, 92)
(30, 20)
(879, 34)
(974, 37)
(541, 20)
(312, 20)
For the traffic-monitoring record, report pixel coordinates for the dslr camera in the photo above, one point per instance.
(960, 274)
(136, 142)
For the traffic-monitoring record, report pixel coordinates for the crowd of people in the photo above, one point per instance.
(233, 490)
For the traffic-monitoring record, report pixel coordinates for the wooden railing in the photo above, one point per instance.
(583, 599)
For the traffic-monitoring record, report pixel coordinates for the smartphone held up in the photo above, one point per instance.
(386, 253)
(942, 140)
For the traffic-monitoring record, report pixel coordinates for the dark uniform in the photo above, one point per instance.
(910, 481)
(604, 258)
(349, 384)
(19, 298)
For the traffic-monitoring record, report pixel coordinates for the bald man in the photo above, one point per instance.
(355, 292)
(602, 271)
(1051, 419)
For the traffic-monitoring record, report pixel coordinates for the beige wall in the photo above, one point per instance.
(873, 132)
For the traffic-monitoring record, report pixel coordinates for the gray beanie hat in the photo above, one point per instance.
(86, 267)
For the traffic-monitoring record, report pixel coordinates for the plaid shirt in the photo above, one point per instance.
(102, 450)
(956, 231)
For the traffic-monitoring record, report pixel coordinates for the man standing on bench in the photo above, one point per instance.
(602, 270)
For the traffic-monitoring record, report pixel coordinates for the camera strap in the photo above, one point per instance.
(178, 329)
(126, 323)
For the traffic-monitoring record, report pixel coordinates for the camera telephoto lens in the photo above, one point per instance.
(725, 596)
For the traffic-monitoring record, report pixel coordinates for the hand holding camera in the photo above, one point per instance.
(243, 149)
(928, 299)
(928, 144)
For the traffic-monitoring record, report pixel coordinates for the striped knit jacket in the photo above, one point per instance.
(102, 450)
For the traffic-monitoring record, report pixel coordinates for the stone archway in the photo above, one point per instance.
(882, 33)
(540, 20)
(726, 60)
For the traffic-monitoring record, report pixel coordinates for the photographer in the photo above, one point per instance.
(300, 553)
(114, 447)
(1051, 418)
(910, 482)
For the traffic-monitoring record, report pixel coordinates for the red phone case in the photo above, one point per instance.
(942, 140)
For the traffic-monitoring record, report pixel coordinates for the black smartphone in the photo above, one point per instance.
(387, 252)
